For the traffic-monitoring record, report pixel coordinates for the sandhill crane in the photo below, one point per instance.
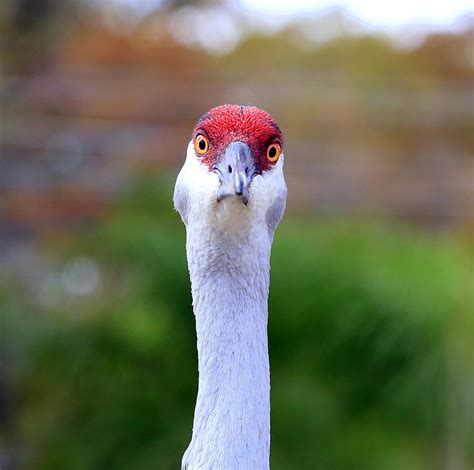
(231, 195)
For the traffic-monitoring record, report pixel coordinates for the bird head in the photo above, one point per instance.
(234, 161)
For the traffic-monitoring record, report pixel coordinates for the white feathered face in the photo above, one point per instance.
(233, 169)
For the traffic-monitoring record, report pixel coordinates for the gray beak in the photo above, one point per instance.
(236, 171)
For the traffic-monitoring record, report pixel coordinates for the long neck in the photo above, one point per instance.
(230, 281)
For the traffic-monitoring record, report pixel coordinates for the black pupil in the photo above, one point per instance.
(202, 144)
(272, 152)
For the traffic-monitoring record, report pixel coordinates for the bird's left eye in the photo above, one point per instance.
(201, 144)
(273, 152)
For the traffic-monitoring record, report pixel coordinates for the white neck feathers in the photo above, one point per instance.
(230, 281)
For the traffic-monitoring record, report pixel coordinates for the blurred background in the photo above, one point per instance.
(372, 300)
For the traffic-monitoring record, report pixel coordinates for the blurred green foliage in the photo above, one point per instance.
(370, 332)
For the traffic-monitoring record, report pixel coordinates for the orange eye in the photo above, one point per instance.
(201, 144)
(273, 152)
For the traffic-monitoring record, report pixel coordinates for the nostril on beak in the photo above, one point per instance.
(230, 169)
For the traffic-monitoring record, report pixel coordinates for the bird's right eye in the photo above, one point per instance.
(201, 144)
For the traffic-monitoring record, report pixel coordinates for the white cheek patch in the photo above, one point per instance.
(275, 212)
(180, 201)
(268, 193)
(196, 187)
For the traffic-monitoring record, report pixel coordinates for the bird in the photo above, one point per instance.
(231, 195)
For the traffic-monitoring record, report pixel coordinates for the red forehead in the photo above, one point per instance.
(228, 123)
